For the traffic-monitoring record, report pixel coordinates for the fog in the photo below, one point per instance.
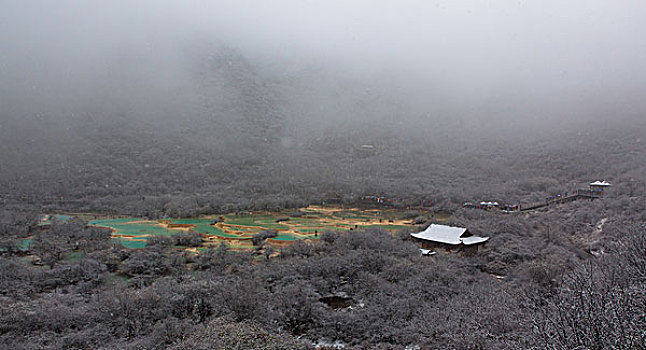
(528, 63)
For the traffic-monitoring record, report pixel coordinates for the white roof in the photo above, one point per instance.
(448, 235)
(474, 240)
(427, 252)
(600, 183)
(442, 234)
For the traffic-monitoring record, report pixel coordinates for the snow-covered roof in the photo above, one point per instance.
(448, 235)
(441, 233)
(427, 252)
(473, 240)
(600, 183)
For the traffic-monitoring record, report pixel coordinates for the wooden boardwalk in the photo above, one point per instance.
(578, 194)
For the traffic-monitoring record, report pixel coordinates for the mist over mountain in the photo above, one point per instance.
(467, 65)
(204, 117)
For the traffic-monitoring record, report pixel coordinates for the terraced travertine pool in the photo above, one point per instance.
(238, 229)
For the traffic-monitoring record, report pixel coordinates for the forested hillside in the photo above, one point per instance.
(230, 136)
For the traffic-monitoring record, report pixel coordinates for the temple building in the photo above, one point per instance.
(449, 238)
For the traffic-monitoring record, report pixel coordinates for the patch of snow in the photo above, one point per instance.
(597, 253)
(324, 343)
(599, 227)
